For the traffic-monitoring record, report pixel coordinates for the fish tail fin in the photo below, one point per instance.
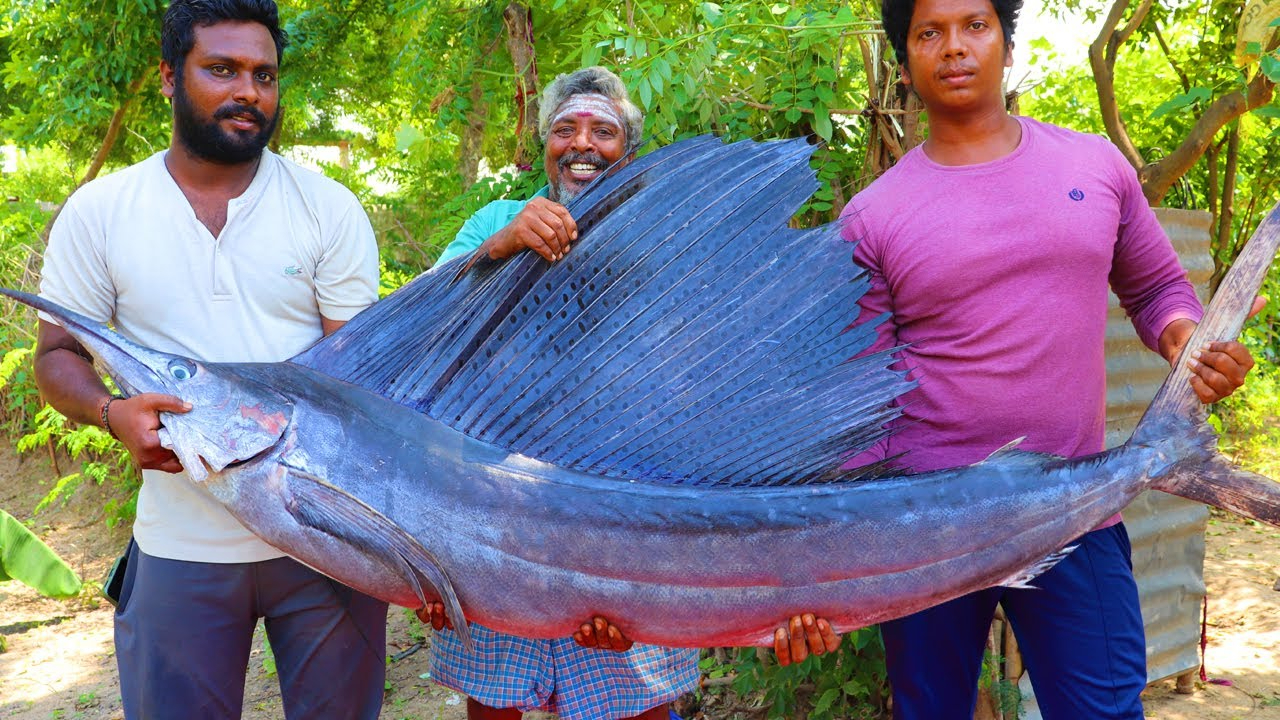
(1197, 471)
(1222, 320)
(1214, 480)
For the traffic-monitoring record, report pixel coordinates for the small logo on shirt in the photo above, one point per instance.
(1076, 194)
(292, 270)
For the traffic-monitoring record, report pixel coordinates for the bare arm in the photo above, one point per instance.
(330, 327)
(67, 380)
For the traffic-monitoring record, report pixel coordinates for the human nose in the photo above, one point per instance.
(583, 140)
(246, 90)
(953, 45)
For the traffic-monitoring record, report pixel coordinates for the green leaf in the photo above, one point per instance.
(1270, 67)
(24, 557)
(1274, 23)
(822, 123)
(1270, 112)
(1185, 100)
(825, 701)
(646, 93)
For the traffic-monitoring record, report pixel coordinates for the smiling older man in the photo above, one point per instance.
(587, 122)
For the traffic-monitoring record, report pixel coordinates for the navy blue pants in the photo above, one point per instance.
(1080, 633)
(183, 631)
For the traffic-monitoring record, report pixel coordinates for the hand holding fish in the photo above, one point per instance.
(136, 422)
(1218, 368)
(433, 614)
(804, 634)
(543, 226)
(602, 634)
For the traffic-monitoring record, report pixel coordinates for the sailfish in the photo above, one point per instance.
(651, 429)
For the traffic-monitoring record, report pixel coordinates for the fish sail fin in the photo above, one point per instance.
(688, 338)
(1022, 578)
(323, 507)
(1222, 320)
(1217, 481)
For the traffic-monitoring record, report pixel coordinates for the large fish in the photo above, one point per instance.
(650, 429)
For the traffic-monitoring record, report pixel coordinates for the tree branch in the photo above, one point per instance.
(1186, 82)
(104, 149)
(1102, 58)
(1159, 176)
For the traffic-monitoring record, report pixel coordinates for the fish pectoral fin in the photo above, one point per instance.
(323, 507)
(1022, 578)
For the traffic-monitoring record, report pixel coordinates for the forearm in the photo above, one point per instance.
(66, 377)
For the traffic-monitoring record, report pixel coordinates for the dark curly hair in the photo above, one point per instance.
(178, 34)
(896, 18)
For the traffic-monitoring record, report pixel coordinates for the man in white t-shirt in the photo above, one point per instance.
(220, 250)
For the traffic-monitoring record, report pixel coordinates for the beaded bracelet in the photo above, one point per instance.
(106, 424)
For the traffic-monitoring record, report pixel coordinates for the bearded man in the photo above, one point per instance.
(220, 250)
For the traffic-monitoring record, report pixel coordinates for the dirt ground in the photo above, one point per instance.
(59, 663)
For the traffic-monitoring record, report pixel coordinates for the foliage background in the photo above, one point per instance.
(429, 105)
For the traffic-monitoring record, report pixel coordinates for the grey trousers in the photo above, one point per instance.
(183, 633)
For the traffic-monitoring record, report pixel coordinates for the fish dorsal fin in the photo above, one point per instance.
(690, 336)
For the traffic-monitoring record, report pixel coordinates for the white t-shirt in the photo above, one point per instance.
(128, 249)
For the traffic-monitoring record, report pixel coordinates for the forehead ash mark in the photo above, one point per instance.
(588, 105)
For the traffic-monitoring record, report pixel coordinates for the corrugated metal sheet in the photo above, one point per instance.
(1167, 532)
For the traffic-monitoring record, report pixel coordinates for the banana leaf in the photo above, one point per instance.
(24, 557)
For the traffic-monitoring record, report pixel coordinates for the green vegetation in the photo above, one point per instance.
(427, 110)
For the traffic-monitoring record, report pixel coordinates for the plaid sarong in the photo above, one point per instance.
(561, 676)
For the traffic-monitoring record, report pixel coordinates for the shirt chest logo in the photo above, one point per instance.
(292, 270)
(1076, 194)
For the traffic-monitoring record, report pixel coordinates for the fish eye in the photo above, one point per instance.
(182, 369)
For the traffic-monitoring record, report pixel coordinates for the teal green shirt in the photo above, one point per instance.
(483, 224)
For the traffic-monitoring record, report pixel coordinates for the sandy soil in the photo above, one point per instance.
(59, 662)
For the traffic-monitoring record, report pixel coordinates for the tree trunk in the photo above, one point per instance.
(100, 158)
(519, 24)
(1222, 252)
(470, 149)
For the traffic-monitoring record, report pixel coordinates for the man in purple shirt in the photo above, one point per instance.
(993, 245)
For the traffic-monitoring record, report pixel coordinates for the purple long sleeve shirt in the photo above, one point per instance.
(996, 276)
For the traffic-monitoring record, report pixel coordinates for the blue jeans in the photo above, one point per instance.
(1080, 633)
(183, 631)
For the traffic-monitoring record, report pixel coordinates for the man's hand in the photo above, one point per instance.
(1217, 368)
(433, 614)
(543, 226)
(802, 636)
(601, 634)
(136, 421)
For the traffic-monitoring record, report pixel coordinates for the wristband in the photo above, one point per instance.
(106, 424)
